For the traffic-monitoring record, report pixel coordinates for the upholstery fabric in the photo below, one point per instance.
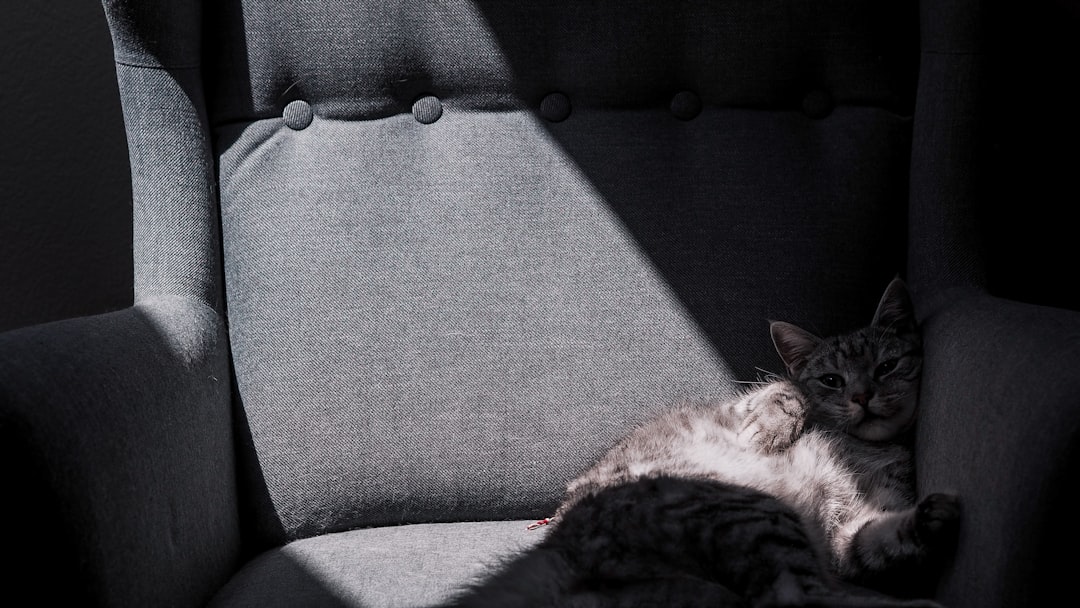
(1002, 428)
(116, 438)
(368, 60)
(948, 197)
(394, 566)
(177, 249)
(158, 47)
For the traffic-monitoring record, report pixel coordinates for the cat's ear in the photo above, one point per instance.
(794, 345)
(895, 310)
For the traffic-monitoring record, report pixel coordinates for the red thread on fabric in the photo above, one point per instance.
(542, 522)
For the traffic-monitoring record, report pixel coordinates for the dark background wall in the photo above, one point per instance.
(1032, 161)
(65, 196)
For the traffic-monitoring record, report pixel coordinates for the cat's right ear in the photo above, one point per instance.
(793, 344)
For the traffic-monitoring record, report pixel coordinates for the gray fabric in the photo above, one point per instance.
(156, 34)
(426, 338)
(118, 460)
(449, 320)
(371, 59)
(176, 246)
(398, 566)
(158, 50)
(999, 426)
(948, 155)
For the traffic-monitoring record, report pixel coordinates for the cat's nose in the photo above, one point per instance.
(862, 398)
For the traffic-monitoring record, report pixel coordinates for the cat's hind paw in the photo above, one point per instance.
(937, 518)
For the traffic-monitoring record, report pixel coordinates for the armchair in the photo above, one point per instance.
(403, 268)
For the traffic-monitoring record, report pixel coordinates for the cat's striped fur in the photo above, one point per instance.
(766, 499)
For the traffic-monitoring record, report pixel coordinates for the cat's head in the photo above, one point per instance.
(865, 383)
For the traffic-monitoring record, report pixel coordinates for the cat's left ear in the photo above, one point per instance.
(895, 310)
(794, 344)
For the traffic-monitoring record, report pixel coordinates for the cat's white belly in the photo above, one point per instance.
(806, 476)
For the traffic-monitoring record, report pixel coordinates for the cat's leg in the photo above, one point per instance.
(889, 551)
(771, 418)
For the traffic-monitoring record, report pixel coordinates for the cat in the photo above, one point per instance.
(799, 492)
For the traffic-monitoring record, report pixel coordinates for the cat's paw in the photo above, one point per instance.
(775, 418)
(937, 518)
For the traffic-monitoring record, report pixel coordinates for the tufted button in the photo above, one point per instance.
(817, 103)
(427, 109)
(298, 115)
(555, 107)
(686, 105)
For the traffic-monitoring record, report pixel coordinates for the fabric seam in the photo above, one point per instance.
(131, 64)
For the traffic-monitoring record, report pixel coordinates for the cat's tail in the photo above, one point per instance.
(544, 578)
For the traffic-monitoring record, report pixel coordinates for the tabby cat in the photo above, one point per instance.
(796, 493)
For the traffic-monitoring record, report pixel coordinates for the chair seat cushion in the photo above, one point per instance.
(409, 565)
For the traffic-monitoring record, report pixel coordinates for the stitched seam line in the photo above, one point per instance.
(150, 66)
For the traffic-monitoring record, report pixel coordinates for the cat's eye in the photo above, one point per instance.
(885, 368)
(831, 380)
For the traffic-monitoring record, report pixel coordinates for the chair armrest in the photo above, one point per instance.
(116, 443)
(998, 425)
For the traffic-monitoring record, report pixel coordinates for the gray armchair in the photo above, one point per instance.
(402, 269)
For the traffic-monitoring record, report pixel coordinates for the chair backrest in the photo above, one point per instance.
(466, 244)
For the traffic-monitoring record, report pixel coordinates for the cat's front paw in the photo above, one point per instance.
(775, 418)
(937, 519)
